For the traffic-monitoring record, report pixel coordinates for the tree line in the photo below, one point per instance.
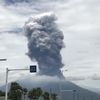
(16, 92)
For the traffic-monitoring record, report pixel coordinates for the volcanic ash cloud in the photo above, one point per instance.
(45, 42)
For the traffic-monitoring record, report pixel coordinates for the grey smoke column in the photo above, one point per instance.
(45, 42)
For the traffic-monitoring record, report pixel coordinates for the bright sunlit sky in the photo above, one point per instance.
(80, 22)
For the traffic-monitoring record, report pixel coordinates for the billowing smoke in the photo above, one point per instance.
(45, 42)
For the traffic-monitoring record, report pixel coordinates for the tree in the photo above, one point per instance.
(54, 96)
(35, 93)
(2, 93)
(39, 91)
(15, 91)
(46, 96)
(24, 92)
(30, 94)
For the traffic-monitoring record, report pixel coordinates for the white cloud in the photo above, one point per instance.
(95, 77)
(77, 78)
(38, 79)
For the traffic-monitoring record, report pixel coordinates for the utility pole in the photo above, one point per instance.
(32, 70)
(73, 91)
(60, 97)
(83, 98)
(50, 94)
(6, 83)
(91, 97)
(77, 96)
(74, 94)
(6, 72)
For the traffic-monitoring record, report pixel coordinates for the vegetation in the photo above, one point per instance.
(17, 92)
(54, 96)
(2, 93)
(46, 96)
(35, 93)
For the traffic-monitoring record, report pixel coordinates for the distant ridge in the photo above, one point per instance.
(80, 94)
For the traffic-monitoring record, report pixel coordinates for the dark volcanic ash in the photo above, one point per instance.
(45, 42)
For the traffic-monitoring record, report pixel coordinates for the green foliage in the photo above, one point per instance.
(39, 91)
(2, 93)
(15, 86)
(46, 96)
(24, 91)
(54, 96)
(15, 91)
(35, 93)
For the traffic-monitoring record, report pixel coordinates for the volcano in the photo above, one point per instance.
(54, 87)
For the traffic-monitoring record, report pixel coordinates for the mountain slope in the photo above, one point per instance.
(80, 94)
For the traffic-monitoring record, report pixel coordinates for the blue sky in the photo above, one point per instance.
(79, 21)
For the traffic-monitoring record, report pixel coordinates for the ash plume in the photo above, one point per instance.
(45, 42)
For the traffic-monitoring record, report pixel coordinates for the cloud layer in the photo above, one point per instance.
(79, 21)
